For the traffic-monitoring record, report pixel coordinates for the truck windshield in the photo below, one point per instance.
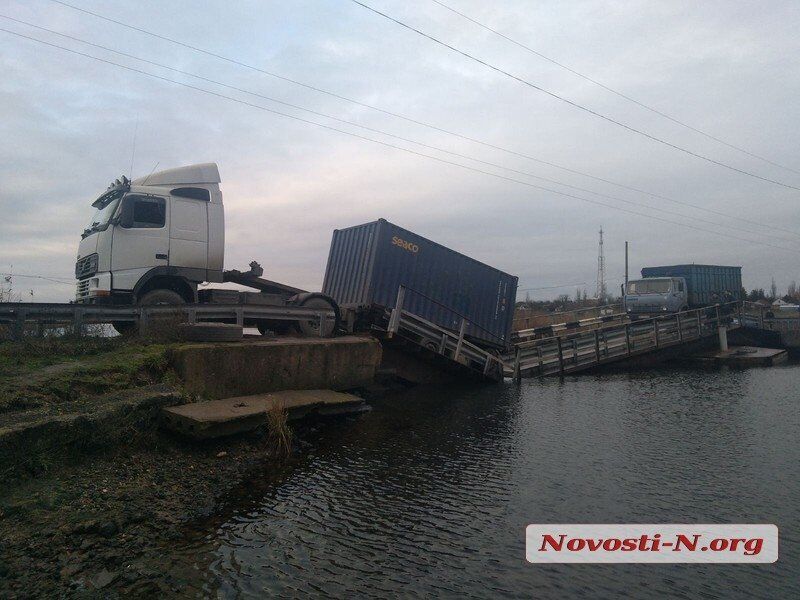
(649, 286)
(103, 212)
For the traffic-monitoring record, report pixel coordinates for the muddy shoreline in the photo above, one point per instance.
(104, 523)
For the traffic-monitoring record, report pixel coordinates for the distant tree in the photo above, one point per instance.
(756, 294)
(773, 290)
(791, 291)
(7, 289)
(527, 298)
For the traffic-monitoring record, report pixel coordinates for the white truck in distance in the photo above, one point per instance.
(675, 288)
(153, 240)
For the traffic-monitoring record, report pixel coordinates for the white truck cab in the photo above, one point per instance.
(152, 240)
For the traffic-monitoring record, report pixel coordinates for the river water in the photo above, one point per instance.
(429, 494)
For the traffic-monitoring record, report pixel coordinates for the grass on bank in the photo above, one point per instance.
(48, 370)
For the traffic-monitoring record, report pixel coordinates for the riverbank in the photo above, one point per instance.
(105, 522)
(93, 492)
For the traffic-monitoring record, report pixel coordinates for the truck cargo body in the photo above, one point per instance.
(368, 263)
(706, 284)
(677, 287)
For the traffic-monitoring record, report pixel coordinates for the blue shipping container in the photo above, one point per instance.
(707, 284)
(368, 263)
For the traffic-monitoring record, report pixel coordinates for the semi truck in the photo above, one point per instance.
(676, 288)
(154, 240)
(157, 239)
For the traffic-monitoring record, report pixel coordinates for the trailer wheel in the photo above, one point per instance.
(311, 328)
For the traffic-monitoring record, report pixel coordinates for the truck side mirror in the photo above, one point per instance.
(126, 213)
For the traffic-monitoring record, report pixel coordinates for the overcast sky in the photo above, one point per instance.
(729, 68)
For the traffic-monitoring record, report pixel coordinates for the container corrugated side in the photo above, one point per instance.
(703, 281)
(350, 262)
(443, 286)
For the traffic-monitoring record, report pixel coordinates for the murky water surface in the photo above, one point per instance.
(429, 494)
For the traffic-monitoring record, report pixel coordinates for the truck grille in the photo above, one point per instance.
(82, 292)
(86, 266)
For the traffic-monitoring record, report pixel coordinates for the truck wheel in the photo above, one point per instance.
(311, 328)
(156, 297)
(164, 325)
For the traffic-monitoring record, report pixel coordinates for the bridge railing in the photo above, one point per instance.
(18, 316)
(444, 342)
(583, 349)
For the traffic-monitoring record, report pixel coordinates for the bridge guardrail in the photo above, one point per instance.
(18, 314)
(561, 354)
(443, 341)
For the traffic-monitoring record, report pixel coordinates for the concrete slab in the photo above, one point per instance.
(218, 418)
(745, 356)
(256, 366)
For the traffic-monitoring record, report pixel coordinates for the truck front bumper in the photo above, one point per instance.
(95, 289)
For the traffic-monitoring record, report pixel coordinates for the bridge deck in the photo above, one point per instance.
(603, 343)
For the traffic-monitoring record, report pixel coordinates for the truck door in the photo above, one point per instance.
(188, 232)
(143, 245)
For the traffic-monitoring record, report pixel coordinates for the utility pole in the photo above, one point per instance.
(600, 293)
(626, 264)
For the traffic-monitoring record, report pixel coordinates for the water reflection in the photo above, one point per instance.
(429, 494)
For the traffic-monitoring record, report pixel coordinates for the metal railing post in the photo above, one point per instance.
(394, 320)
(560, 357)
(655, 332)
(699, 324)
(77, 320)
(628, 339)
(19, 325)
(461, 332)
(516, 364)
(680, 327)
(596, 346)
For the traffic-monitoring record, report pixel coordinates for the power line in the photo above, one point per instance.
(550, 287)
(418, 122)
(387, 144)
(373, 130)
(61, 281)
(572, 102)
(612, 90)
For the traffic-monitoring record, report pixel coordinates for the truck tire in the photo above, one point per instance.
(311, 328)
(156, 297)
(151, 298)
(164, 325)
